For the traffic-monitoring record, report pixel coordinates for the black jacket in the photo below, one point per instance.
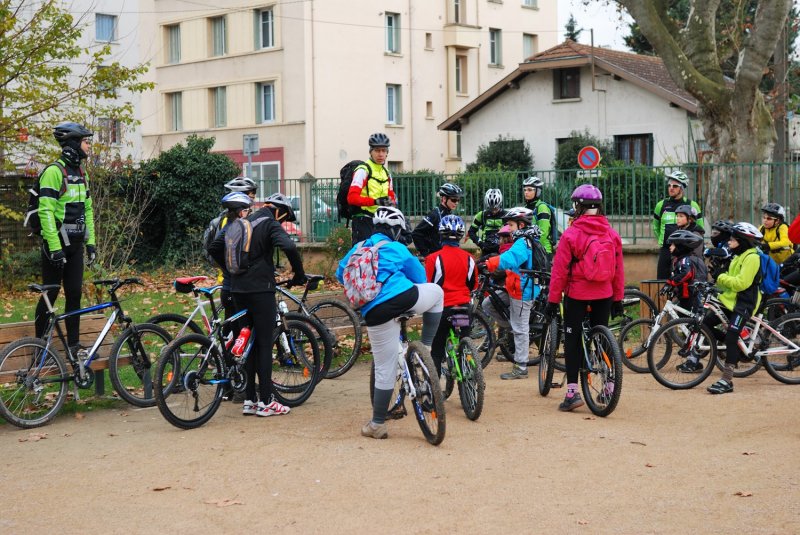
(426, 233)
(260, 277)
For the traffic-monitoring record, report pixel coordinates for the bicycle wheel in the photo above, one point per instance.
(133, 362)
(33, 383)
(782, 359)
(429, 402)
(345, 327)
(633, 344)
(482, 336)
(176, 325)
(637, 305)
(189, 381)
(601, 381)
(323, 339)
(777, 307)
(472, 387)
(295, 363)
(670, 348)
(548, 357)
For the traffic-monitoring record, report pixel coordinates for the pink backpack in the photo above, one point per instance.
(598, 262)
(360, 276)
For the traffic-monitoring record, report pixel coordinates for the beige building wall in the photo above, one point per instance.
(330, 69)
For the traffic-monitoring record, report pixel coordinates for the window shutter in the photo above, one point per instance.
(259, 105)
(256, 29)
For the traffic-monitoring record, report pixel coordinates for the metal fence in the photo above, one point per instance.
(14, 198)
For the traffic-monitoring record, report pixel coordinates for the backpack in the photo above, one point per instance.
(555, 233)
(210, 233)
(770, 274)
(541, 261)
(598, 262)
(345, 181)
(360, 275)
(32, 220)
(238, 239)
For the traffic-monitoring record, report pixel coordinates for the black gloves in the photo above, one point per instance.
(384, 201)
(551, 310)
(482, 268)
(617, 309)
(298, 280)
(91, 254)
(57, 258)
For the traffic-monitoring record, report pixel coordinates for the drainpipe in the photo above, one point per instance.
(313, 99)
(411, 87)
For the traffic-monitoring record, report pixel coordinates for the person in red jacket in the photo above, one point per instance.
(456, 271)
(574, 276)
(794, 230)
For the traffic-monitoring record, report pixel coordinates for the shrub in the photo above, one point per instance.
(503, 154)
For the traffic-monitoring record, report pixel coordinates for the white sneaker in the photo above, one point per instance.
(249, 407)
(274, 408)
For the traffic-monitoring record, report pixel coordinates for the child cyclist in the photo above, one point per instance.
(584, 294)
(456, 271)
(776, 232)
(740, 298)
(404, 288)
(719, 255)
(520, 288)
(687, 266)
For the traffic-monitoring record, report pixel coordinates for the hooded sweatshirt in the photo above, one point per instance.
(571, 247)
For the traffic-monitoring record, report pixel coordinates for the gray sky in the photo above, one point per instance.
(600, 15)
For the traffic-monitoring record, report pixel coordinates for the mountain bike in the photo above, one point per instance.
(462, 365)
(176, 324)
(34, 377)
(416, 379)
(194, 370)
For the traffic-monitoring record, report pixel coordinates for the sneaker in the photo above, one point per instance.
(373, 430)
(249, 407)
(721, 387)
(690, 367)
(272, 409)
(515, 373)
(571, 403)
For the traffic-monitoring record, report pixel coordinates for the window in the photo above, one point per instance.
(636, 148)
(173, 43)
(461, 74)
(429, 40)
(495, 48)
(267, 175)
(110, 131)
(219, 36)
(428, 109)
(265, 102)
(458, 11)
(393, 33)
(105, 27)
(530, 45)
(219, 109)
(265, 20)
(566, 83)
(175, 112)
(458, 143)
(393, 108)
(530, 3)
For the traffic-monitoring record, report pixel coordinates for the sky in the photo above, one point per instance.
(600, 15)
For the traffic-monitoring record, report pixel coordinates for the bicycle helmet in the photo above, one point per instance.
(679, 177)
(279, 200)
(237, 201)
(685, 238)
(587, 195)
(378, 139)
(723, 225)
(775, 210)
(241, 183)
(451, 190)
(744, 231)
(452, 227)
(687, 210)
(505, 230)
(390, 216)
(533, 182)
(65, 132)
(533, 232)
(519, 214)
(493, 200)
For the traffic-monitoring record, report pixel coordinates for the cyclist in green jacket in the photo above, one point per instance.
(483, 231)
(664, 219)
(67, 221)
(543, 216)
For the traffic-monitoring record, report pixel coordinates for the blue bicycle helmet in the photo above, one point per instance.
(451, 227)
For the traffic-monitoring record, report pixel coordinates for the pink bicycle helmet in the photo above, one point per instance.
(587, 195)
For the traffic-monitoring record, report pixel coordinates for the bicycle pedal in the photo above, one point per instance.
(556, 385)
(397, 413)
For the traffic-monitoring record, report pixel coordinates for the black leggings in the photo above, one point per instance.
(736, 321)
(261, 310)
(70, 277)
(440, 338)
(574, 312)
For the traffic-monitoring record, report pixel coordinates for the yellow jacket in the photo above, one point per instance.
(780, 246)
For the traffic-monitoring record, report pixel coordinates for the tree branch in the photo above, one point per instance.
(770, 20)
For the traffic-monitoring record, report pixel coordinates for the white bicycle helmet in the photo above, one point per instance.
(237, 201)
(241, 183)
(493, 200)
(390, 216)
(746, 231)
(533, 182)
(519, 214)
(679, 177)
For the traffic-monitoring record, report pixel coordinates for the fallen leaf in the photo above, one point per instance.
(583, 522)
(226, 502)
(648, 465)
(743, 494)
(749, 453)
(157, 489)
(638, 443)
(67, 434)
(589, 418)
(112, 434)
(34, 437)
(79, 416)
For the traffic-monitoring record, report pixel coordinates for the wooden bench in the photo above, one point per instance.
(91, 326)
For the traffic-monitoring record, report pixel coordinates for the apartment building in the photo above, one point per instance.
(313, 79)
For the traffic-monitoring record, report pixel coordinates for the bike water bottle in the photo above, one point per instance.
(241, 342)
(283, 307)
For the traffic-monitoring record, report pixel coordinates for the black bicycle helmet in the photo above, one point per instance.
(241, 183)
(775, 210)
(723, 225)
(65, 132)
(378, 139)
(279, 200)
(687, 210)
(451, 190)
(685, 238)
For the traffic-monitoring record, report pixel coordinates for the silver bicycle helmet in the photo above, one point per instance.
(493, 200)
(679, 177)
(241, 183)
(279, 200)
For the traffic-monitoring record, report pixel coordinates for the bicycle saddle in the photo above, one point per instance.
(42, 288)
(191, 280)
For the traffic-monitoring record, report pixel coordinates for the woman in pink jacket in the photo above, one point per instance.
(588, 270)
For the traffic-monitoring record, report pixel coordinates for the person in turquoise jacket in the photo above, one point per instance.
(404, 289)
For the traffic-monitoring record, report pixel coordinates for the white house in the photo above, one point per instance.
(624, 97)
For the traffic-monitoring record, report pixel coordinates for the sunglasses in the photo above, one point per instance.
(454, 199)
(671, 186)
(527, 189)
(769, 218)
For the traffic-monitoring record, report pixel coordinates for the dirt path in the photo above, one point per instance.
(663, 462)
